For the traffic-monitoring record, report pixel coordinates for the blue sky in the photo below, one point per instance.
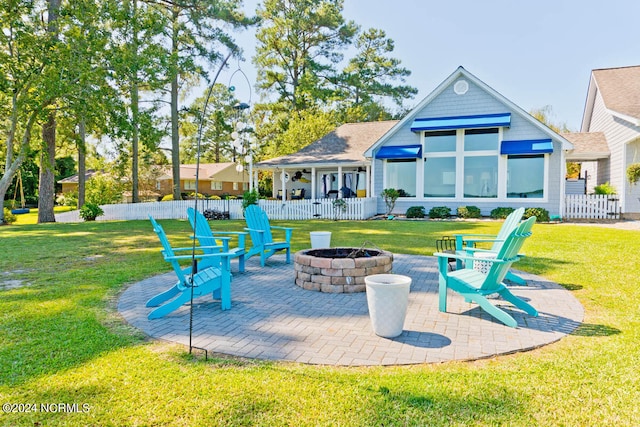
(535, 53)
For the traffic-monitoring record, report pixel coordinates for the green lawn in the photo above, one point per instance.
(62, 341)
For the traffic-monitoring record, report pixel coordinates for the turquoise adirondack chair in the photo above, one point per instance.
(213, 276)
(465, 242)
(208, 238)
(475, 286)
(261, 237)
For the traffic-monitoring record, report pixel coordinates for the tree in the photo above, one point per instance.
(299, 44)
(196, 32)
(26, 84)
(369, 77)
(544, 115)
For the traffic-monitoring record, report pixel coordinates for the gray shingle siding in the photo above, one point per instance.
(477, 102)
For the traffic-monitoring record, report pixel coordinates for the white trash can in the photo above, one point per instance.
(320, 239)
(387, 298)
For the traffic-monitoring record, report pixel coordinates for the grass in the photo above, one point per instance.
(62, 341)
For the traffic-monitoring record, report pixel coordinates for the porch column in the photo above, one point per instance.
(340, 182)
(313, 183)
(367, 187)
(284, 185)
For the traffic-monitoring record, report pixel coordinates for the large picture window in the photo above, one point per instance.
(440, 177)
(525, 176)
(401, 175)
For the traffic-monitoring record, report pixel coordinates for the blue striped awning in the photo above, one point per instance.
(462, 122)
(531, 146)
(399, 152)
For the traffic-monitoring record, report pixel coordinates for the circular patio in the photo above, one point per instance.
(273, 319)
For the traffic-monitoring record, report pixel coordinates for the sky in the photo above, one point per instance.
(535, 53)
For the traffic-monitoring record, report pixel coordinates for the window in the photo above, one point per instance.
(245, 186)
(235, 186)
(461, 163)
(435, 142)
(401, 175)
(440, 177)
(189, 184)
(525, 176)
(216, 185)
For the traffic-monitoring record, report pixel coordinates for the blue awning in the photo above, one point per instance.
(462, 122)
(399, 152)
(531, 146)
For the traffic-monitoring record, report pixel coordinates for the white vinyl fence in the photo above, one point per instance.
(591, 206)
(357, 208)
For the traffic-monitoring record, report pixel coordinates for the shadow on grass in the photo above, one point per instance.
(494, 408)
(592, 330)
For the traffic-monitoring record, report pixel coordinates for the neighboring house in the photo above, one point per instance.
(612, 110)
(464, 144)
(213, 179)
(70, 183)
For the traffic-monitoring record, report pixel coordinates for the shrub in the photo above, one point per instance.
(541, 214)
(633, 173)
(9, 218)
(90, 211)
(339, 207)
(500, 213)
(390, 195)
(167, 198)
(68, 199)
(249, 198)
(440, 212)
(215, 197)
(605, 188)
(416, 212)
(194, 195)
(469, 212)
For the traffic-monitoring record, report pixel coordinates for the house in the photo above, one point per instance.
(333, 163)
(213, 179)
(612, 114)
(464, 144)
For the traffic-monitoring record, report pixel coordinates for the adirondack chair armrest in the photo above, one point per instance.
(287, 230)
(190, 248)
(463, 240)
(242, 235)
(472, 258)
(260, 234)
(223, 255)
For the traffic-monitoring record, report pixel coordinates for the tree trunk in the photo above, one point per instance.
(46, 188)
(175, 135)
(82, 169)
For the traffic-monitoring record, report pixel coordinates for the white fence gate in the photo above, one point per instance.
(357, 208)
(591, 206)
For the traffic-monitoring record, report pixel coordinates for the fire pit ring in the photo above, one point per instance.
(339, 270)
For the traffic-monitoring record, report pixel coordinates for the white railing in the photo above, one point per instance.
(591, 206)
(357, 208)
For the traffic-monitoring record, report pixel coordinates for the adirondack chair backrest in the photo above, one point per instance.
(201, 226)
(510, 224)
(509, 251)
(257, 219)
(167, 251)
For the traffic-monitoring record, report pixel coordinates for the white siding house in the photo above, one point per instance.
(613, 108)
(463, 145)
(472, 147)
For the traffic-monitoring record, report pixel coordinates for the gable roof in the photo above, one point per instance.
(587, 146)
(73, 179)
(620, 92)
(461, 72)
(344, 145)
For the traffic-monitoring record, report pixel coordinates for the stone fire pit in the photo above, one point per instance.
(339, 270)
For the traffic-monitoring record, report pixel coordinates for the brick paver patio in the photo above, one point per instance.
(271, 318)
